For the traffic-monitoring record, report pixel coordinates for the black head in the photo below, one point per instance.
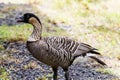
(25, 18)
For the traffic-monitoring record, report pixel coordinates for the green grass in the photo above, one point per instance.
(22, 32)
(3, 74)
(109, 71)
(14, 33)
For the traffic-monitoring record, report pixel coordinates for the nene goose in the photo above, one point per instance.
(54, 51)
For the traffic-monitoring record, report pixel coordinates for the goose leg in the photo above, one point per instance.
(55, 74)
(67, 74)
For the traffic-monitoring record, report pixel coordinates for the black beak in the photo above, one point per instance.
(20, 19)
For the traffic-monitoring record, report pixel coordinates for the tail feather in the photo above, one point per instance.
(95, 52)
(98, 60)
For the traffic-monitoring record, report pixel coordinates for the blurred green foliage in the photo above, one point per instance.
(3, 74)
(22, 32)
(95, 22)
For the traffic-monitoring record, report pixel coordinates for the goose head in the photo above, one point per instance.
(26, 18)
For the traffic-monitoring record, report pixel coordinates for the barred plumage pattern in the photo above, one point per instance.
(63, 48)
(55, 51)
(58, 51)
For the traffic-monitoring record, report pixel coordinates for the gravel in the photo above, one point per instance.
(22, 66)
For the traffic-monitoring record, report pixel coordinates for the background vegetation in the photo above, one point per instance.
(96, 22)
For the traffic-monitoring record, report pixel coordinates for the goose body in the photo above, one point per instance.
(55, 51)
(52, 50)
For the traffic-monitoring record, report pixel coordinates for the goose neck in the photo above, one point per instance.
(37, 30)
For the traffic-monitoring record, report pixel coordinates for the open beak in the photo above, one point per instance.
(20, 19)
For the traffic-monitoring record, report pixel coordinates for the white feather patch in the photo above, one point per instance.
(31, 39)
